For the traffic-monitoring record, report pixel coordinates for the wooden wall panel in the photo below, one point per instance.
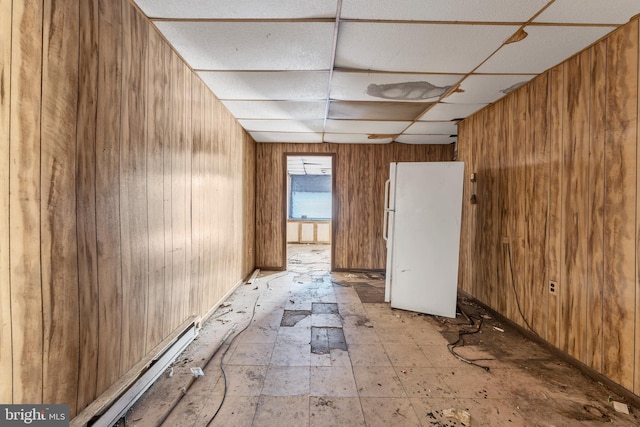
(595, 224)
(24, 201)
(133, 187)
(575, 165)
(577, 225)
(86, 202)
(58, 239)
(99, 126)
(360, 174)
(620, 204)
(109, 253)
(5, 278)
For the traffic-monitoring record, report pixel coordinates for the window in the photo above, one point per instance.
(310, 197)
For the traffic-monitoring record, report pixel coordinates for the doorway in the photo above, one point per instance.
(309, 206)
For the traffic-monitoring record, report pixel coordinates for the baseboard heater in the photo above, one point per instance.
(113, 404)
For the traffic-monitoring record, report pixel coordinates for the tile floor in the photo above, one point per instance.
(397, 370)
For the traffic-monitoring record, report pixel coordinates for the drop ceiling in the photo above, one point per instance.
(374, 71)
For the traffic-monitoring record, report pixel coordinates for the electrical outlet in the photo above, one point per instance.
(553, 287)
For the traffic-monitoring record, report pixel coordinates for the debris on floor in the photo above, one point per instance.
(620, 407)
(197, 372)
(463, 416)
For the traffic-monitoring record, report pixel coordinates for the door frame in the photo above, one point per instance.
(285, 198)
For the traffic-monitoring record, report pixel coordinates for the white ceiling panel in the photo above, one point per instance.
(426, 139)
(276, 109)
(252, 45)
(282, 125)
(433, 128)
(439, 10)
(286, 137)
(354, 138)
(590, 12)
(238, 9)
(447, 112)
(279, 85)
(417, 47)
(544, 47)
(484, 89)
(365, 126)
(390, 86)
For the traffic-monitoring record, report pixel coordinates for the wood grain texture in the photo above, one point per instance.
(58, 238)
(360, 174)
(109, 254)
(555, 203)
(156, 140)
(620, 204)
(24, 202)
(595, 267)
(636, 379)
(575, 179)
(86, 202)
(133, 188)
(579, 177)
(6, 361)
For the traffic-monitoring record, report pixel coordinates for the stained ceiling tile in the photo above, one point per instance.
(423, 48)
(388, 111)
(446, 112)
(426, 139)
(354, 138)
(286, 137)
(362, 86)
(543, 48)
(278, 85)
(282, 125)
(590, 12)
(239, 9)
(439, 10)
(433, 128)
(484, 89)
(252, 45)
(365, 126)
(276, 109)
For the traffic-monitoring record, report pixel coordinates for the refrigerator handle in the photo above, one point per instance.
(385, 216)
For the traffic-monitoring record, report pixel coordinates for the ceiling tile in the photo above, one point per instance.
(433, 128)
(279, 85)
(286, 137)
(239, 9)
(591, 12)
(282, 125)
(485, 89)
(365, 126)
(438, 10)
(422, 48)
(354, 138)
(360, 86)
(276, 109)
(446, 112)
(388, 111)
(252, 45)
(426, 139)
(544, 47)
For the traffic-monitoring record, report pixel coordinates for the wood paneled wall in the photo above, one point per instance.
(557, 191)
(127, 197)
(360, 173)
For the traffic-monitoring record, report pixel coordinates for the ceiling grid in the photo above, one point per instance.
(374, 71)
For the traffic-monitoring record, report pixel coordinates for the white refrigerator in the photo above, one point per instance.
(422, 216)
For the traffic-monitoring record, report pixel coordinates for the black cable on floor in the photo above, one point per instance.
(460, 341)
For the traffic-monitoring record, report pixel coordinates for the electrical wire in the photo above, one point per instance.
(224, 375)
(460, 341)
(515, 292)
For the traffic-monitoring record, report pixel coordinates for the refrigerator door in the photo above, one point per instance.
(426, 237)
(387, 225)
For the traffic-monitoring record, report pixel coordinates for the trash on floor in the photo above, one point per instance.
(620, 407)
(463, 416)
(197, 372)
